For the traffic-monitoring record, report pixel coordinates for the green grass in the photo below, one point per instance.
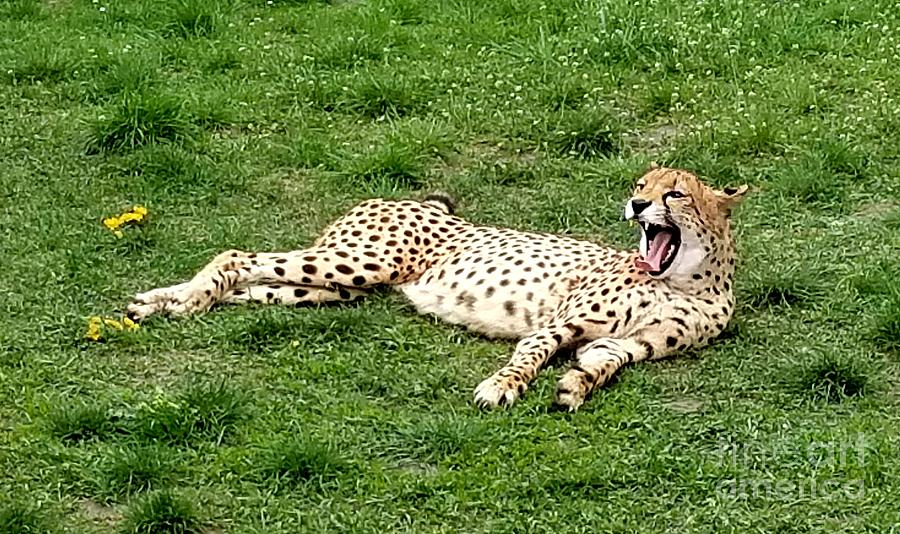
(162, 512)
(886, 334)
(202, 411)
(43, 65)
(300, 459)
(78, 420)
(132, 469)
(388, 168)
(387, 96)
(777, 286)
(20, 518)
(141, 118)
(127, 73)
(192, 18)
(170, 168)
(586, 133)
(252, 125)
(835, 379)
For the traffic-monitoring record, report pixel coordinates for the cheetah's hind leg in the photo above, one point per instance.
(282, 294)
(322, 272)
(294, 295)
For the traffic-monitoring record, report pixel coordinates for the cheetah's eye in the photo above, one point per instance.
(674, 194)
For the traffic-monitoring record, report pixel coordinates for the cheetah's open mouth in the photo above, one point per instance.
(659, 246)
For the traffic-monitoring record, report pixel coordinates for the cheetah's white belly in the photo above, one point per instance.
(489, 316)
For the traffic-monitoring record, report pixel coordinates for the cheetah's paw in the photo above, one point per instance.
(499, 390)
(571, 390)
(165, 299)
(162, 294)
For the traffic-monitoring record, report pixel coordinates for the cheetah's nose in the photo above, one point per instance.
(635, 206)
(639, 204)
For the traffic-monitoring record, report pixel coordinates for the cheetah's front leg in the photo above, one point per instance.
(506, 385)
(599, 360)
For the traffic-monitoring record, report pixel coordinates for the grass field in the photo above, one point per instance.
(251, 125)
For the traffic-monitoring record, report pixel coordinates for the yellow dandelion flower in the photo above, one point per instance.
(112, 223)
(137, 215)
(93, 331)
(129, 324)
(112, 323)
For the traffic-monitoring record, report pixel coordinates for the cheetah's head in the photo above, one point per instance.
(681, 220)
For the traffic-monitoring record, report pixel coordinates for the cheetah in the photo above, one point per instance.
(549, 292)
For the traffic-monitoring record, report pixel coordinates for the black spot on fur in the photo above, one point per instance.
(577, 331)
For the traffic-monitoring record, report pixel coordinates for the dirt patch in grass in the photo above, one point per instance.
(100, 513)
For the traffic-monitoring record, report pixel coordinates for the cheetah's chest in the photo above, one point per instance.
(504, 283)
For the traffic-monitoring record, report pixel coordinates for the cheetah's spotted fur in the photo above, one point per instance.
(615, 307)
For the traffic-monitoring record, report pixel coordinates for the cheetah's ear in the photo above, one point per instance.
(730, 197)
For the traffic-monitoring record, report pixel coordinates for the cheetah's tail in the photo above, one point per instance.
(441, 201)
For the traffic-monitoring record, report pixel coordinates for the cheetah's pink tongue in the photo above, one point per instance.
(656, 252)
